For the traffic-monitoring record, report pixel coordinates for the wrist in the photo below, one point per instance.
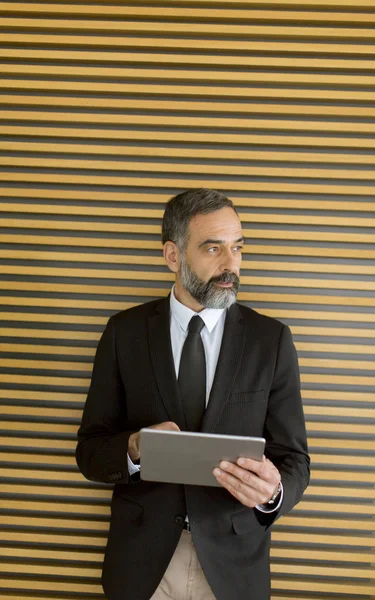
(275, 495)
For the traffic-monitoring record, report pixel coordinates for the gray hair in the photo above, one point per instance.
(182, 208)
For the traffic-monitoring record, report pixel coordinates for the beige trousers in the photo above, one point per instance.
(184, 578)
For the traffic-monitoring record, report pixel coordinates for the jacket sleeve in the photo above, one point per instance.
(285, 430)
(102, 437)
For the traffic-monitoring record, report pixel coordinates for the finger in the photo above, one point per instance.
(250, 464)
(257, 494)
(266, 470)
(166, 426)
(236, 489)
(247, 477)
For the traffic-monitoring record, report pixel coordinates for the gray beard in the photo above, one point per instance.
(206, 293)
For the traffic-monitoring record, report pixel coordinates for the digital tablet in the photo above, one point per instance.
(189, 457)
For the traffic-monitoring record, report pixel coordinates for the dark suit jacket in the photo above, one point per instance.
(256, 392)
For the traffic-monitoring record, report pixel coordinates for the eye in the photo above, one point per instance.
(213, 249)
(237, 248)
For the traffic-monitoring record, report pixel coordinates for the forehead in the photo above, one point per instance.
(221, 224)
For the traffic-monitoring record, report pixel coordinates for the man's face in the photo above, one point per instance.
(210, 267)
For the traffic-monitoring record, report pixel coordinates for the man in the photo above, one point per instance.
(195, 542)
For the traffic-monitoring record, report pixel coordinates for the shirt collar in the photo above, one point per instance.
(183, 314)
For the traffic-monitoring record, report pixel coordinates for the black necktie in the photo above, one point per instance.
(192, 375)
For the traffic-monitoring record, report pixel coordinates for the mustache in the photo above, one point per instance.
(226, 277)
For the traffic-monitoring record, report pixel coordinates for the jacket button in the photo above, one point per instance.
(179, 519)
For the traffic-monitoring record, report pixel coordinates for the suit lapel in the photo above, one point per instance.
(228, 364)
(163, 364)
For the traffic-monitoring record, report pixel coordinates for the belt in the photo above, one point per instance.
(187, 526)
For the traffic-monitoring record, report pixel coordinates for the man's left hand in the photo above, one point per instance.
(252, 482)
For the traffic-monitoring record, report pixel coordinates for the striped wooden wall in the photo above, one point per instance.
(108, 110)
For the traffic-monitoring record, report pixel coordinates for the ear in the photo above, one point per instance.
(171, 255)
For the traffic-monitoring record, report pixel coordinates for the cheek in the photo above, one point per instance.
(204, 267)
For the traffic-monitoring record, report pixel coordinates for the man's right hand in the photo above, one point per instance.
(133, 444)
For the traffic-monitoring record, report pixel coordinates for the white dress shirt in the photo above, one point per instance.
(212, 335)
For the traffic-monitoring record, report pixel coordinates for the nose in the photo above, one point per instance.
(231, 262)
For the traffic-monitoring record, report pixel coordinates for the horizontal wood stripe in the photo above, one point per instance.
(286, 3)
(201, 122)
(55, 412)
(20, 441)
(178, 42)
(156, 214)
(321, 571)
(42, 459)
(77, 382)
(55, 489)
(215, 184)
(40, 395)
(178, 75)
(343, 428)
(189, 89)
(45, 522)
(48, 365)
(190, 13)
(86, 242)
(296, 520)
(77, 335)
(197, 154)
(147, 58)
(337, 348)
(46, 349)
(175, 136)
(49, 554)
(340, 411)
(331, 554)
(49, 475)
(117, 25)
(52, 586)
(342, 445)
(337, 364)
(333, 587)
(53, 538)
(307, 538)
(365, 509)
(151, 197)
(336, 332)
(57, 318)
(55, 570)
(334, 395)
